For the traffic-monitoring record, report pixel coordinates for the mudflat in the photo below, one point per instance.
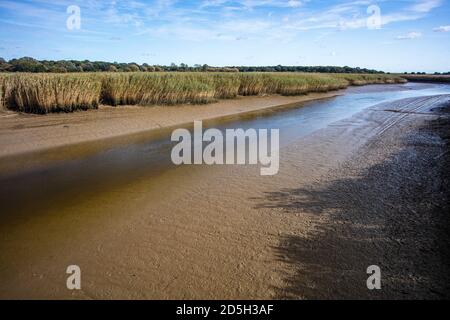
(370, 189)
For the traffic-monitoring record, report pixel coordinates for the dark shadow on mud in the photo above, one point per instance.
(394, 214)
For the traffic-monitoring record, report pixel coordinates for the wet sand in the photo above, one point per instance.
(386, 205)
(227, 233)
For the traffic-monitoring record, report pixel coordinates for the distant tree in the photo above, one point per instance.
(144, 67)
(28, 64)
(133, 67)
(173, 67)
(57, 69)
(68, 66)
(183, 67)
(5, 66)
(87, 66)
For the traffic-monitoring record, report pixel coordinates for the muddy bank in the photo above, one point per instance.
(387, 205)
(23, 133)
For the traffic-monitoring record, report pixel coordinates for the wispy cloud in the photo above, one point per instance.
(268, 31)
(442, 29)
(249, 4)
(410, 36)
(425, 6)
(217, 19)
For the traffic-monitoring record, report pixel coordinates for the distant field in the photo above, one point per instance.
(44, 93)
(427, 78)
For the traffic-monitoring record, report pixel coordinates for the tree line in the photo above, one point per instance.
(424, 73)
(27, 64)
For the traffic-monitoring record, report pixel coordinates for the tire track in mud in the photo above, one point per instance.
(406, 109)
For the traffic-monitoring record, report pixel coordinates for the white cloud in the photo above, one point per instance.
(410, 36)
(425, 6)
(294, 3)
(352, 15)
(228, 20)
(249, 4)
(442, 29)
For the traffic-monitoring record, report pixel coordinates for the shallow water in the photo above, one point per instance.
(54, 183)
(297, 122)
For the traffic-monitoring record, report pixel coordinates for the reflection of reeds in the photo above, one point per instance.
(43, 93)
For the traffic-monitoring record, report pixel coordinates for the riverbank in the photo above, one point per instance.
(24, 133)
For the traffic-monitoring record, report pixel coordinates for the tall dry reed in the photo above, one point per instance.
(43, 93)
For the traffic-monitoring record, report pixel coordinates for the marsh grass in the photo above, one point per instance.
(3, 81)
(44, 93)
(156, 88)
(364, 79)
(2, 104)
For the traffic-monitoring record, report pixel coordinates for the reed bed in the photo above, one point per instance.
(156, 88)
(44, 93)
(3, 80)
(365, 79)
(2, 104)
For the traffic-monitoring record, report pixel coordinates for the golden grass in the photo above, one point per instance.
(3, 80)
(156, 88)
(364, 79)
(2, 104)
(43, 93)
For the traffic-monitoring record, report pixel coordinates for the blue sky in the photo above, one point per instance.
(395, 36)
